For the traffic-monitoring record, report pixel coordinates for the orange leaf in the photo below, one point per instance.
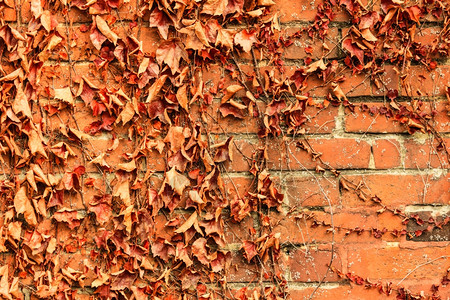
(23, 206)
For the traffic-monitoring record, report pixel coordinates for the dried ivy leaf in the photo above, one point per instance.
(155, 88)
(22, 205)
(225, 38)
(182, 97)
(160, 20)
(249, 250)
(246, 39)
(4, 284)
(105, 30)
(20, 104)
(171, 52)
(71, 217)
(35, 144)
(188, 224)
(354, 50)
(64, 94)
(230, 91)
(97, 38)
(36, 8)
(176, 181)
(214, 7)
(199, 251)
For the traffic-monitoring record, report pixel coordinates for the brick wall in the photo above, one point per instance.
(329, 173)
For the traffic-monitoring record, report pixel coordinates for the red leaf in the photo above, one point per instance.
(160, 20)
(354, 50)
(70, 217)
(97, 38)
(249, 250)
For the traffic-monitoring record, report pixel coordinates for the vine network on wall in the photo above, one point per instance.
(224, 149)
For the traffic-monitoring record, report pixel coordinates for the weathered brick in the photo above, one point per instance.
(298, 49)
(308, 264)
(241, 270)
(388, 80)
(296, 10)
(297, 229)
(395, 262)
(339, 154)
(422, 153)
(335, 291)
(304, 191)
(351, 154)
(421, 82)
(386, 154)
(395, 190)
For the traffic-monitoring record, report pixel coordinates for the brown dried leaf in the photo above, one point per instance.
(127, 167)
(160, 20)
(171, 52)
(225, 38)
(23, 206)
(245, 39)
(182, 97)
(20, 104)
(317, 65)
(230, 91)
(155, 88)
(199, 251)
(105, 30)
(188, 224)
(64, 94)
(176, 181)
(214, 7)
(35, 144)
(4, 285)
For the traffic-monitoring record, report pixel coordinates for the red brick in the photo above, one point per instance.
(238, 232)
(389, 80)
(212, 74)
(242, 271)
(395, 190)
(294, 230)
(297, 49)
(363, 122)
(304, 191)
(350, 292)
(358, 292)
(309, 264)
(441, 121)
(303, 231)
(394, 263)
(428, 83)
(321, 121)
(421, 154)
(338, 153)
(426, 36)
(292, 10)
(356, 85)
(351, 154)
(242, 152)
(386, 154)
(238, 185)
